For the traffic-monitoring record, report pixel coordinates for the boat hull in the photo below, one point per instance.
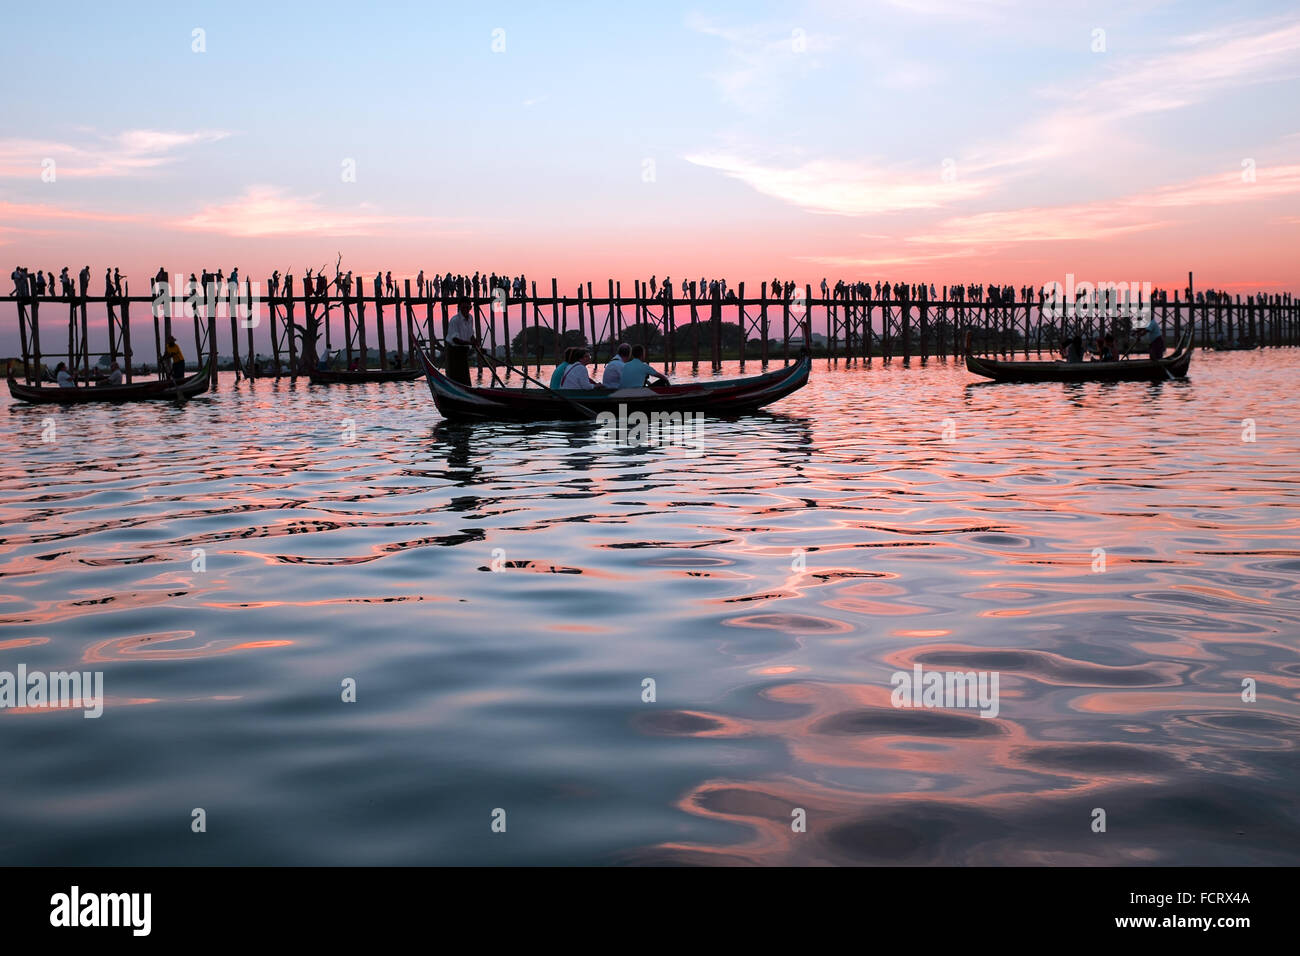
(331, 377)
(190, 386)
(725, 397)
(1124, 370)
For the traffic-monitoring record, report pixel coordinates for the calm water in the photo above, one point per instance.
(770, 587)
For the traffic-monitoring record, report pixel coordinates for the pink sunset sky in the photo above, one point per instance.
(911, 140)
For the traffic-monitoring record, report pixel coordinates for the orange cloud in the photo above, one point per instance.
(268, 211)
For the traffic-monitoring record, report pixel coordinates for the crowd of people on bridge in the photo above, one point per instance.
(38, 284)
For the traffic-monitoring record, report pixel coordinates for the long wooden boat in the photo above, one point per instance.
(723, 397)
(325, 376)
(1124, 370)
(164, 389)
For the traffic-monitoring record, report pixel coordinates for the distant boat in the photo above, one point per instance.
(1234, 348)
(161, 389)
(720, 397)
(1122, 370)
(326, 376)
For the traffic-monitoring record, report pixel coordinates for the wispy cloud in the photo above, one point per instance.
(1268, 182)
(1083, 221)
(130, 152)
(43, 212)
(758, 61)
(843, 188)
(986, 233)
(1194, 68)
(265, 211)
(955, 9)
(1106, 219)
(890, 259)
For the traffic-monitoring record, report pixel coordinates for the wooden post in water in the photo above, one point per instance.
(275, 338)
(126, 335)
(212, 346)
(535, 346)
(22, 338)
(412, 361)
(742, 321)
(157, 339)
(429, 330)
(85, 342)
(924, 318)
(582, 318)
(289, 330)
(785, 329)
(209, 290)
(233, 308)
(379, 325)
(34, 374)
(250, 366)
(555, 319)
(638, 313)
(348, 335)
(695, 331)
(670, 331)
(399, 315)
(715, 328)
(807, 317)
(112, 328)
(906, 317)
(361, 323)
(505, 320)
(616, 334)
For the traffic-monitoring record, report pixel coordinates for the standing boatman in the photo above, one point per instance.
(460, 336)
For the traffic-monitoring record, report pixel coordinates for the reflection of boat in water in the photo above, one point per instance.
(324, 376)
(722, 397)
(1123, 370)
(190, 386)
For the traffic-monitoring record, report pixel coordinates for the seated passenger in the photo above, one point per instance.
(558, 375)
(1108, 352)
(636, 371)
(575, 376)
(613, 375)
(1155, 339)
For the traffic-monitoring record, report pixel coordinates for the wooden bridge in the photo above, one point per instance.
(291, 327)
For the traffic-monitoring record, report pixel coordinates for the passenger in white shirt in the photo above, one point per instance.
(115, 374)
(575, 376)
(613, 376)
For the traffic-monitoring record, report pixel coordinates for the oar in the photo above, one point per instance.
(578, 405)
